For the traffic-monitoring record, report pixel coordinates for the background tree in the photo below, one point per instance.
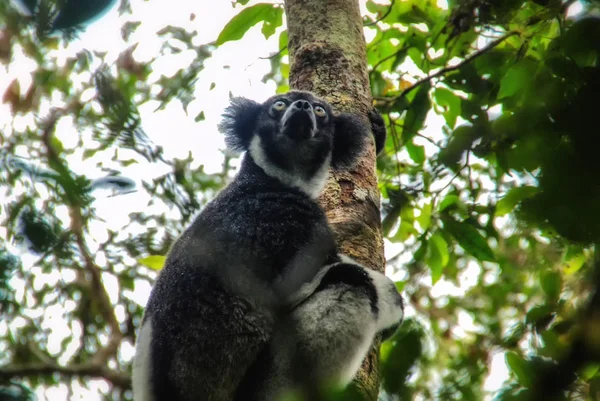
(489, 181)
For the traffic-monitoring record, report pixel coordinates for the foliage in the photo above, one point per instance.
(491, 201)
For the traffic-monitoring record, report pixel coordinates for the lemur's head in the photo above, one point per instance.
(294, 137)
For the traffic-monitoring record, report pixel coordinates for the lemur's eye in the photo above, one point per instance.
(279, 105)
(320, 111)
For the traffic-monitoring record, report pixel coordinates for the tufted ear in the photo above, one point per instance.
(239, 121)
(379, 130)
(349, 140)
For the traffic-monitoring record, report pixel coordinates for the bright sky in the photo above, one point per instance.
(179, 134)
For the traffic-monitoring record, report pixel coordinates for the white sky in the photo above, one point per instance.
(178, 133)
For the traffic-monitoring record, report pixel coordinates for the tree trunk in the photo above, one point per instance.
(328, 57)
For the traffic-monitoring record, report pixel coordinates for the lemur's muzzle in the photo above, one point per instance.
(299, 122)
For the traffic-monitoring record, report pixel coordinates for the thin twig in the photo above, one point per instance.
(428, 139)
(383, 60)
(118, 379)
(438, 192)
(274, 54)
(445, 70)
(389, 10)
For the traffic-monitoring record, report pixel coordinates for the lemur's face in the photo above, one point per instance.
(300, 116)
(296, 130)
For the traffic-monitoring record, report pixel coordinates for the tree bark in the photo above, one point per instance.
(327, 53)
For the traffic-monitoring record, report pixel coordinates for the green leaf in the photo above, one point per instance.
(416, 152)
(551, 282)
(373, 7)
(410, 14)
(513, 197)
(442, 248)
(438, 256)
(420, 253)
(405, 231)
(520, 368)
(580, 42)
(461, 140)
(424, 218)
(451, 104)
(527, 154)
(574, 263)
(400, 354)
(470, 239)
(155, 262)
(246, 19)
(200, 117)
(539, 314)
(415, 116)
(448, 201)
(283, 39)
(37, 230)
(383, 54)
(517, 78)
(57, 145)
(272, 21)
(589, 371)
(553, 346)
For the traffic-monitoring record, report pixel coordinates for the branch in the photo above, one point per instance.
(98, 290)
(117, 379)
(77, 224)
(445, 70)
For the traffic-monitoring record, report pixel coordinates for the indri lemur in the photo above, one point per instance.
(252, 258)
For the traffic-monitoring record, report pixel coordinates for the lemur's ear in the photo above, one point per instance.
(349, 140)
(239, 121)
(378, 128)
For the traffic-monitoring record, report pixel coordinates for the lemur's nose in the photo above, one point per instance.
(302, 104)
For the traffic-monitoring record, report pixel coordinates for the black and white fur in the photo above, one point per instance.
(255, 251)
(324, 340)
